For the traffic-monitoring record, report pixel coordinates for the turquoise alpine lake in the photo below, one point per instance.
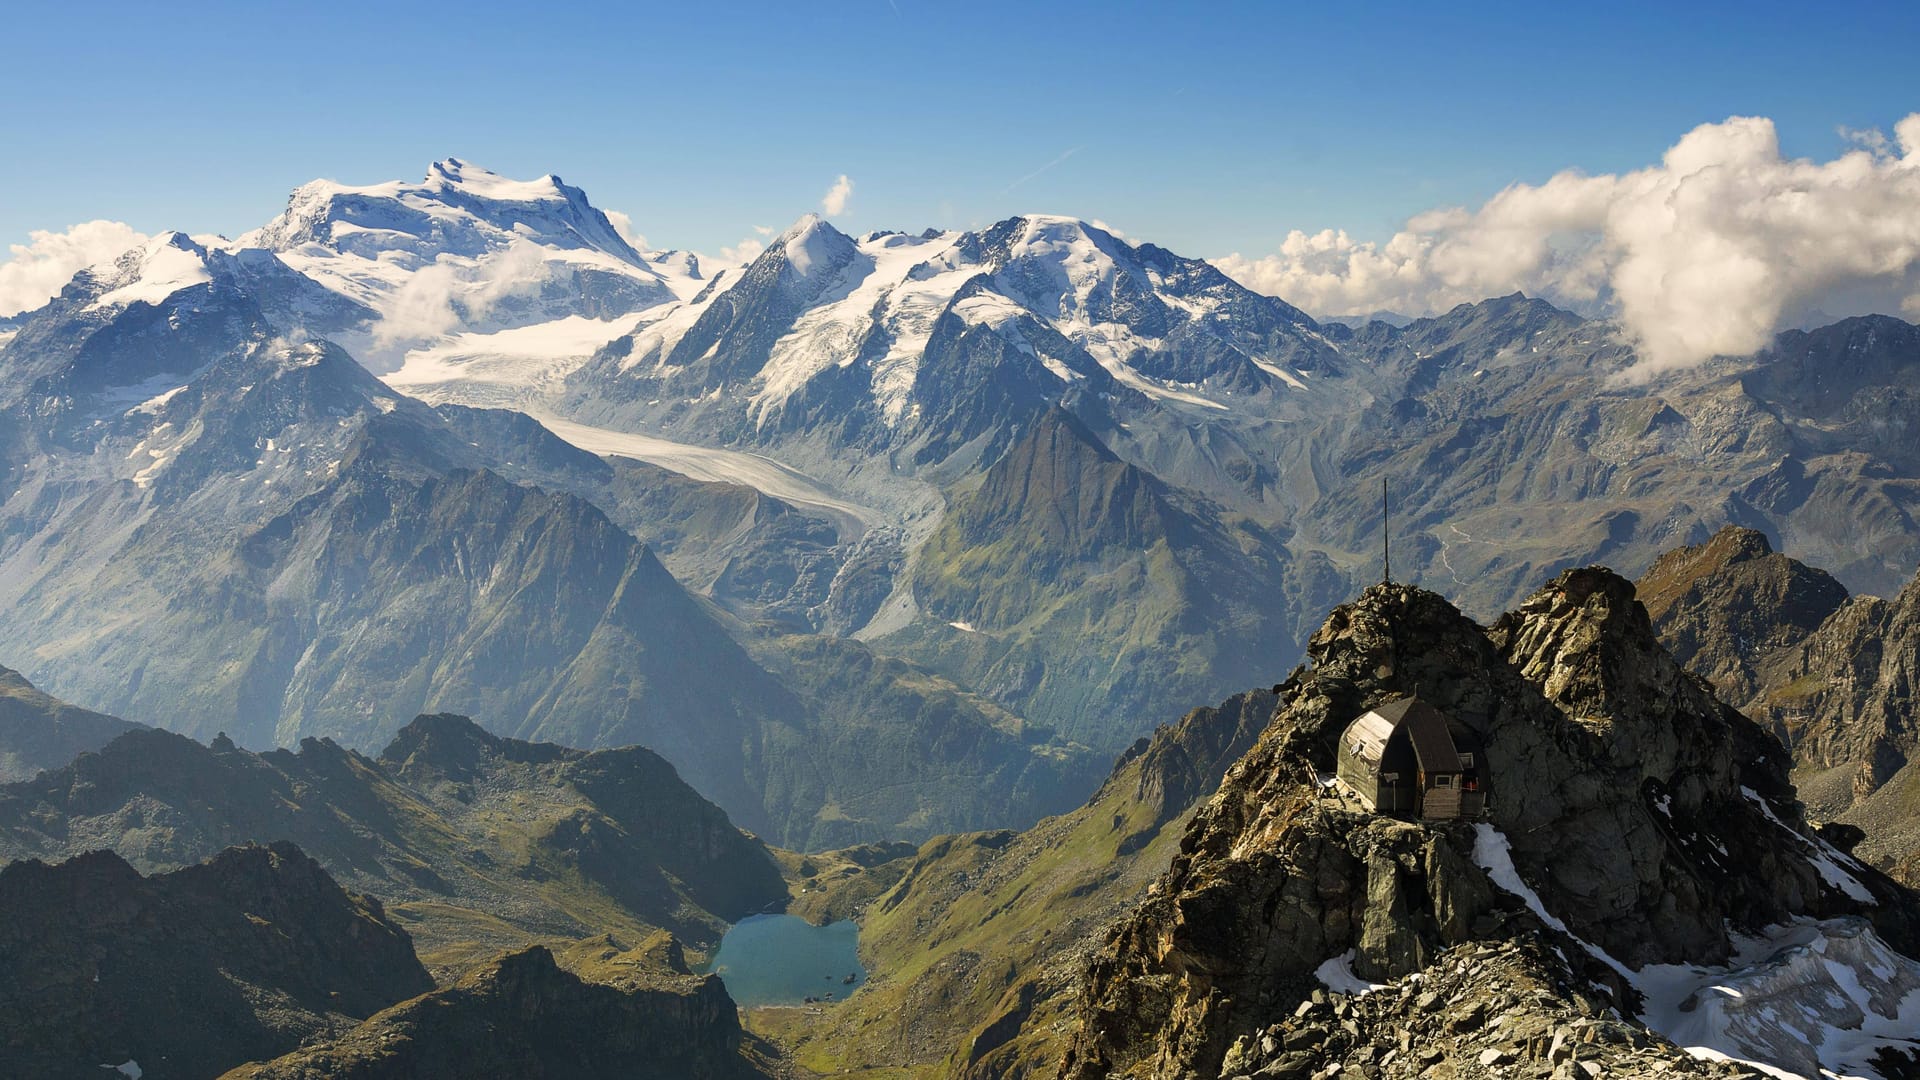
(786, 960)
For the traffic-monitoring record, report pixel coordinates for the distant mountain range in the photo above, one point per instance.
(873, 537)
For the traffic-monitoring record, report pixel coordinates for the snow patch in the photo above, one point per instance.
(964, 627)
(1337, 975)
(1807, 1000)
(155, 403)
(1493, 852)
(128, 1068)
(1824, 856)
(166, 265)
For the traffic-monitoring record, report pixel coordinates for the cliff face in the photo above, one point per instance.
(1647, 816)
(1845, 698)
(186, 974)
(523, 1016)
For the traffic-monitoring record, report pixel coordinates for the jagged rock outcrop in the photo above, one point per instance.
(1845, 699)
(42, 732)
(1723, 608)
(1644, 813)
(189, 973)
(1831, 675)
(522, 1016)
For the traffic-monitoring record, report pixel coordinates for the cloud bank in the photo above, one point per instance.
(451, 293)
(622, 223)
(36, 271)
(834, 202)
(1710, 252)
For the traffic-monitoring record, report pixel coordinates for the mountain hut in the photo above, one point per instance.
(1405, 757)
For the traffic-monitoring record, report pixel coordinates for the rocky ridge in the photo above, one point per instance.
(38, 731)
(1504, 1009)
(523, 1016)
(1723, 608)
(1829, 674)
(478, 842)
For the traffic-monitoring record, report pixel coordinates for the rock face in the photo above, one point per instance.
(1831, 675)
(1641, 811)
(1845, 699)
(40, 732)
(189, 973)
(523, 1016)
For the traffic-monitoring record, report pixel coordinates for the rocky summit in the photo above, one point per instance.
(1636, 827)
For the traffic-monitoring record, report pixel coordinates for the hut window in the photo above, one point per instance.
(1390, 777)
(1443, 780)
(1466, 761)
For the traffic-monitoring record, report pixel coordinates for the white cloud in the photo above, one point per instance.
(1712, 251)
(743, 252)
(834, 202)
(455, 293)
(36, 271)
(763, 230)
(623, 224)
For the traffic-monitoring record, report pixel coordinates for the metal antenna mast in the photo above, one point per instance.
(1386, 538)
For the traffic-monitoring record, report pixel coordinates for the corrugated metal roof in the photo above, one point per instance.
(1426, 729)
(1366, 738)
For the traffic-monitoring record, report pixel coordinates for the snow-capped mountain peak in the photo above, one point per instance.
(471, 179)
(1065, 300)
(152, 272)
(466, 254)
(459, 209)
(811, 245)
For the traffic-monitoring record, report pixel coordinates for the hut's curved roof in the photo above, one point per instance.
(1426, 728)
(1366, 738)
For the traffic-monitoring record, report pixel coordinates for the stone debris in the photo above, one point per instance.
(1509, 1009)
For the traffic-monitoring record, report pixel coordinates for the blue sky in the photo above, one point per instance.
(1206, 127)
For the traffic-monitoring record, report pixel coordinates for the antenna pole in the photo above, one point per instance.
(1386, 538)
